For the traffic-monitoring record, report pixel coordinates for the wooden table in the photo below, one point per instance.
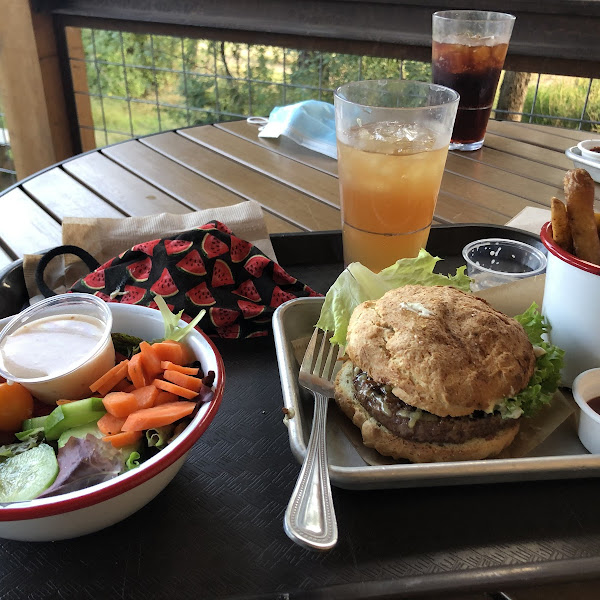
(520, 165)
(216, 165)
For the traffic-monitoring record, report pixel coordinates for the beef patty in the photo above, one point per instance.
(418, 425)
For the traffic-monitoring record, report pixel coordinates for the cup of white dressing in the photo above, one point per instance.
(58, 347)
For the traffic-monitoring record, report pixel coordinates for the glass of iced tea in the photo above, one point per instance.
(468, 51)
(392, 139)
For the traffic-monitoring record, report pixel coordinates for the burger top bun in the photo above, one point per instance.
(442, 350)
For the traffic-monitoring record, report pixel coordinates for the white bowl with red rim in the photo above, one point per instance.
(572, 307)
(99, 506)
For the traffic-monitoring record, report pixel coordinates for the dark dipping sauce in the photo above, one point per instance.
(595, 149)
(594, 404)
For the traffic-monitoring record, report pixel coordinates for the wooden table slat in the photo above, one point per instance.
(191, 189)
(322, 186)
(493, 177)
(520, 165)
(131, 194)
(454, 209)
(282, 145)
(5, 258)
(300, 209)
(571, 134)
(64, 196)
(29, 229)
(484, 196)
(514, 165)
(528, 151)
(543, 136)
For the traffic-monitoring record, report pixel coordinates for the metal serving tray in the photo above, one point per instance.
(560, 456)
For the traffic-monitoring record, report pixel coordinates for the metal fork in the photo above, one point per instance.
(310, 516)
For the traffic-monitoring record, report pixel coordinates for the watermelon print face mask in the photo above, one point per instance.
(203, 268)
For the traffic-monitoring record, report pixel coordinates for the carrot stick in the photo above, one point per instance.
(136, 371)
(145, 396)
(165, 397)
(186, 381)
(150, 360)
(167, 386)
(157, 416)
(168, 365)
(109, 424)
(171, 351)
(123, 438)
(120, 404)
(110, 378)
(123, 386)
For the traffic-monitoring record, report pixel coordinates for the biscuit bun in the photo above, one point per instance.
(427, 366)
(444, 351)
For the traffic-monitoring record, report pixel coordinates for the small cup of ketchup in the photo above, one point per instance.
(586, 391)
(590, 149)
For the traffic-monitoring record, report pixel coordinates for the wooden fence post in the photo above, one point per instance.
(31, 88)
(85, 118)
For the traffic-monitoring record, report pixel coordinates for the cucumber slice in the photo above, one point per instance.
(79, 432)
(74, 414)
(34, 422)
(25, 476)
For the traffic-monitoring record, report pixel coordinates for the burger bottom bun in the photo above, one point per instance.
(379, 437)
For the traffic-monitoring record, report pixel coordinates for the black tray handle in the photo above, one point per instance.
(85, 256)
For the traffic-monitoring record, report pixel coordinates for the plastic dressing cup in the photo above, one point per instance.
(58, 347)
(496, 261)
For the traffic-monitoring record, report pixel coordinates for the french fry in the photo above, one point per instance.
(579, 193)
(561, 231)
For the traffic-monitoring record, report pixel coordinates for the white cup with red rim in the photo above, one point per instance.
(572, 307)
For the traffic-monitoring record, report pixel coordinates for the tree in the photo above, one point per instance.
(513, 92)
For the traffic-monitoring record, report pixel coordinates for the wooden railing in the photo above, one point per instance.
(551, 36)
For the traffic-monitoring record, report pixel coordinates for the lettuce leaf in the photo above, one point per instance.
(546, 377)
(27, 440)
(133, 461)
(172, 329)
(84, 462)
(159, 437)
(357, 284)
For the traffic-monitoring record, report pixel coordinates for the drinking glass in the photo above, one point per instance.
(468, 52)
(392, 139)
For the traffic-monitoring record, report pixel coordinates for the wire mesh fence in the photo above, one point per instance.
(7, 168)
(142, 83)
(137, 84)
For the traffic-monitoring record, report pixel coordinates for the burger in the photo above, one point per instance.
(430, 372)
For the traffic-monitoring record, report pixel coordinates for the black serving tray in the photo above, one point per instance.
(217, 530)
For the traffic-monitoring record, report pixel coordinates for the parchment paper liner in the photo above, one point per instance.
(512, 299)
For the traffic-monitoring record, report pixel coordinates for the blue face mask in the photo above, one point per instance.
(310, 123)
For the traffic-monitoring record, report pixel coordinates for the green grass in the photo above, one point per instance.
(564, 97)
